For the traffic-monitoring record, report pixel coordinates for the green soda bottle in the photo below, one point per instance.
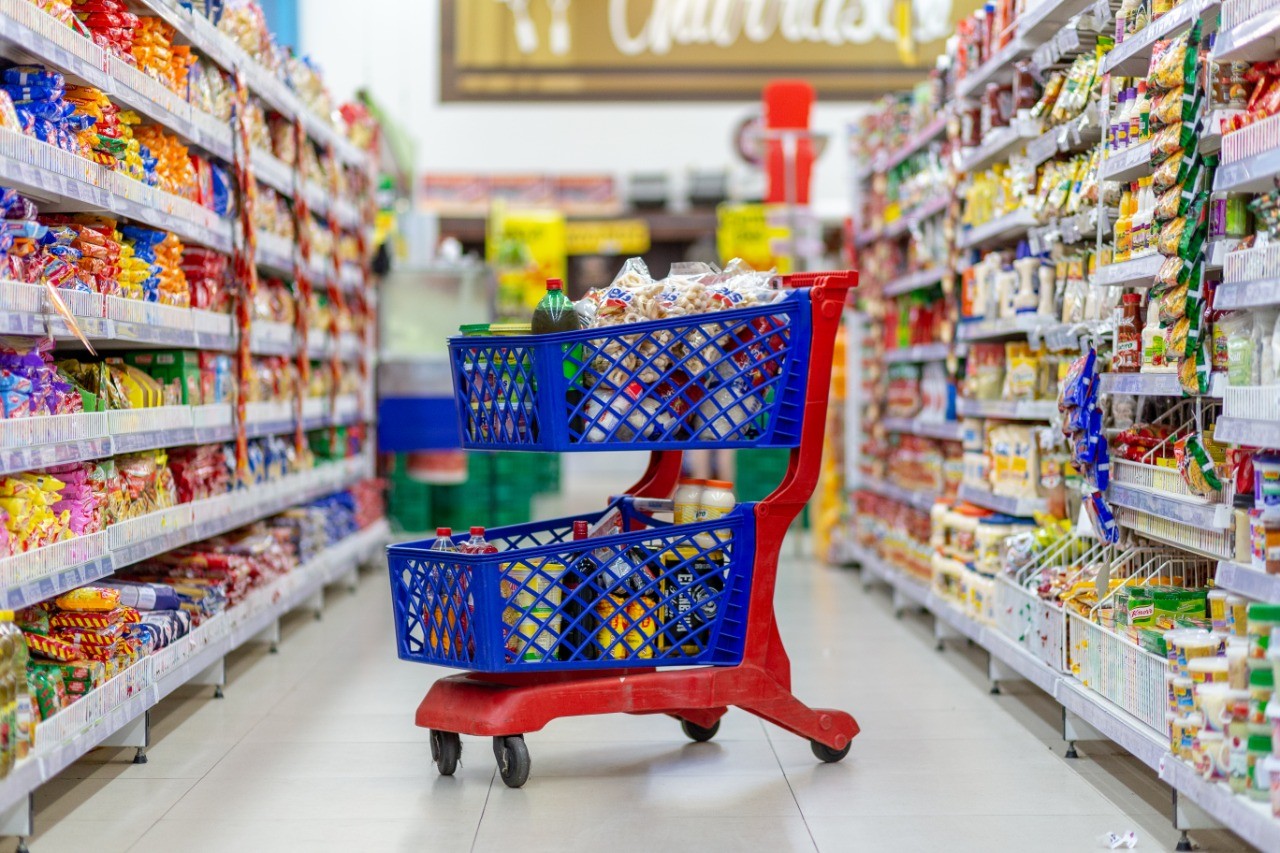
(555, 312)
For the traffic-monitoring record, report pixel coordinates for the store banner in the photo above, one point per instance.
(608, 237)
(757, 233)
(525, 248)
(607, 50)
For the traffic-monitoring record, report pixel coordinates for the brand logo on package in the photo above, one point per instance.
(696, 49)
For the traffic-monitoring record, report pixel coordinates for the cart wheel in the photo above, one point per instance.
(697, 733)
(446, 750)
(513, 759)
(825, 753)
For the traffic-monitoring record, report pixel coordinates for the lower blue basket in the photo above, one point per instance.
(653, 594)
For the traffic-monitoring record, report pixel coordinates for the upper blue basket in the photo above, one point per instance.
(733, 378)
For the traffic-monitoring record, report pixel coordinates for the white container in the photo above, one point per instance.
(687, 499)
(717, 499)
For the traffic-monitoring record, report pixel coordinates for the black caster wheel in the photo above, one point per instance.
(1184, 843)
(697, 733)
(513, 760)
(446, 750)
(825, 753)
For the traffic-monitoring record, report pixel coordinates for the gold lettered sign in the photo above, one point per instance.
(691, 49)
(608, 237)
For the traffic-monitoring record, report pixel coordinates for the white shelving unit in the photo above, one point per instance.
(58, 180)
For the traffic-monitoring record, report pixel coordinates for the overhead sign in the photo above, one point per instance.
(691, 49)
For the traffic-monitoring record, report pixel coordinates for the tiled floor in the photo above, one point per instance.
(314, 749)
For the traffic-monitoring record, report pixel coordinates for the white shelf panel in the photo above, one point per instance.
(145, 429)
(918, 142)
(268, 337)
(915, 281)
(28, 34)
(1135, 272)
(1127, 164)
(1154, 384)
(1198, 515)
(1254, 40)
(1018, 507)
(1132, 56)
(919, 352)
(922, 501)
(1078, 134)
(1118, 725)
(1008, 410)
(1248, 581)
(1048, 16)
(945, 430)
(998, 145)
(275, 253)
(912, 218)
(1248, 433)
(1006, 328)
(997, 69)
(1004, 228)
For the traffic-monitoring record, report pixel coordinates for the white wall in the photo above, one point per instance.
(392, 48)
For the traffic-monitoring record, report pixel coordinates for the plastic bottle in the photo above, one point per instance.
(477, 544)
(555, 312)
(687, 497)
(1141, 127)
(444, 540)
(579, 602)
(24, 730)
(717, 499)
(1128, 354)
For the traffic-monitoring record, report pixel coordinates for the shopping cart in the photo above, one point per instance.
(552, 626)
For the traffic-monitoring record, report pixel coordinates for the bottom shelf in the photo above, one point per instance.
(189, 656)
(1250, 820)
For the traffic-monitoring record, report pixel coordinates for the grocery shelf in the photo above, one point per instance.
(1068, 230)
(1135, 272)
(1215, 253)
(1247, 294)
(136, 90)
(1153, 384)
(59, 743)
(59, 179)
(1018, 507)
(1048, 16)
(1008, 410)
(1078, 134)
(1004, 328)
(1256, 174)
(1113, 722)
(1247, 581)
(1021, 661)
(1006, 228)
(945, 430)
(997, 69)
(919, 352)
(997, 145)
(1247, 818)
(916, 143)
(1204, 516)
(921, 500)
(1127, 164)
(915, 281)
(270, 337)
(28, 34)
(913, 217)
(1132, 57)
(1248, 432)
(1254, 40)
(1211, 135)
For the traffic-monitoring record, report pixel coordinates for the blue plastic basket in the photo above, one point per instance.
(658, 594)
(732, 378)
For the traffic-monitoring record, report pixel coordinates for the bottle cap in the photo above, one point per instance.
(1131, 298)
(444, 531)
(719, 484)
(555, 284)
(477, 531)
(691, 481)
(580, 529)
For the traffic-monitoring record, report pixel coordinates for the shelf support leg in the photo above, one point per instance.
(215, 674)
(1074, 728)
(17, 821)
(999, 672)
(269, 634)
(943, 632)
(1187, 816)
(316, 604)
(137, 734)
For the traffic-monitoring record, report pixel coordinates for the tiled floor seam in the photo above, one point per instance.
(475, 839)
(768, 736)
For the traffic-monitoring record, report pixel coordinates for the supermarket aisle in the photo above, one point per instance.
(314, 749)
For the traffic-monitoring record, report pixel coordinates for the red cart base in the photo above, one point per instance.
(506, 706)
